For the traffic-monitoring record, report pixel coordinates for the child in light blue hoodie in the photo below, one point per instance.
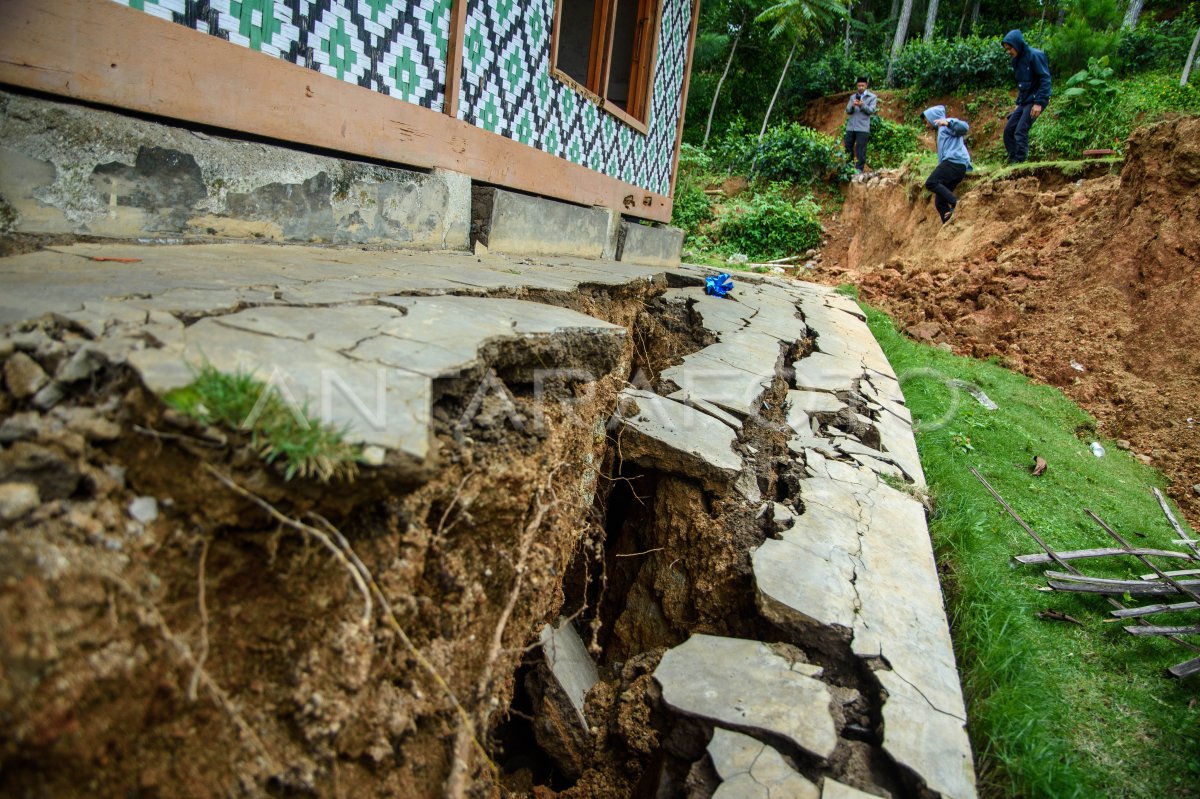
(953, 159)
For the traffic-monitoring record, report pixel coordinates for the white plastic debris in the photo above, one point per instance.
(1097, 450)
(144, 509)
(1077, 366)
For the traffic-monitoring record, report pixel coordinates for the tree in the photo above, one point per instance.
(1187, 67)
(931, 19)
(798, 19)
(1132, 13)
(901, 35)
(733, 49)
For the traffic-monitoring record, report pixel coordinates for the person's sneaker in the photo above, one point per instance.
(946, 216)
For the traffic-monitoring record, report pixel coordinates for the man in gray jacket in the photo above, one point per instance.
(859, 110)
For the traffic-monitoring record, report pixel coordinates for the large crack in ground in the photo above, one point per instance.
(532, 513)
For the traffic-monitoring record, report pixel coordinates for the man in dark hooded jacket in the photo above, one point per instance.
(1032, 72)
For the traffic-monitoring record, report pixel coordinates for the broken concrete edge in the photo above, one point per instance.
(78, 170)
(669, 436)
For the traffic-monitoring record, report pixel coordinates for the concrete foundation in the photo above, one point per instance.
(650, 245)
(71, 169)
(517, 224)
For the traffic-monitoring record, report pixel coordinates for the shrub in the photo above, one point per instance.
(1104, 113)
(1161, 46)
(692, 208)
(830, 74)
(891, 142)
(770, 225)
(792, 153)
(946, 65)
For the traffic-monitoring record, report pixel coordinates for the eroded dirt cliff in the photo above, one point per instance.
(1046, 271)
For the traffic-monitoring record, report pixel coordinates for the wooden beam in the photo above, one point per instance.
(102, 52)
(683, 93)
(454, 56)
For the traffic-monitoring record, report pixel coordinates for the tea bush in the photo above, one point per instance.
(792, 153)
(945, 65)
(891, 143)
(770, 225)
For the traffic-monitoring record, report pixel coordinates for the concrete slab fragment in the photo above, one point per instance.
(701, 376)
(744, 685)
(832, 789)
(749, 769)
(814, 401)
(821, 372)
(668, 435)
(570, 663)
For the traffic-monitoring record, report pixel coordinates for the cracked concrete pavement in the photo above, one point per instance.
(364, 336)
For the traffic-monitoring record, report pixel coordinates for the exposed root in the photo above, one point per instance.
(308, 530)
(363, 577)
(456, 783)
(203, 608)
(200, 677)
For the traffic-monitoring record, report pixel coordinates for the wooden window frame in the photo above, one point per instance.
(643, 63)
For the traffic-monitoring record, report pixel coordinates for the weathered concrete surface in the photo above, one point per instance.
(749, 769)
(68, 168)
(325, 327)
(650, 246)
(744, 685)
(517, 224)
(670, 436)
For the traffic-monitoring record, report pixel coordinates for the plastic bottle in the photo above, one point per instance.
(1097, 450)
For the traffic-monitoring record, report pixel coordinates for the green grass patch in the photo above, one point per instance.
(1056, 709)
(283, 435)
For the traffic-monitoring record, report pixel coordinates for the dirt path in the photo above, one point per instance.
(1091, 285)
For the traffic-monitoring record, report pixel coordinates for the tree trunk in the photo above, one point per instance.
(779, 86)
(712, 108)
(887, 46)
(846, 40)
(931, 19)
(962, 20)
(1132, 13)
(1187, 67)
(901, 35)
(974, 14)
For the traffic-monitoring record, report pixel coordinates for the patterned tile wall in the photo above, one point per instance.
(399, 48)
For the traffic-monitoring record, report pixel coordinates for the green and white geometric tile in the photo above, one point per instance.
(399, 48)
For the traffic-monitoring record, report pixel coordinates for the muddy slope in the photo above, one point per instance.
(1045, 270)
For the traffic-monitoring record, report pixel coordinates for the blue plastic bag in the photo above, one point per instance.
(718, 285)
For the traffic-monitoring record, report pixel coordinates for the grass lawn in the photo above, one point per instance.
(1056, 709)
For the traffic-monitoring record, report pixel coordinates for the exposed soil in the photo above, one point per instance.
(1090, 284)
(227, 646)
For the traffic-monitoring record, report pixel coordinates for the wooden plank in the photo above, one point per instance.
(1061, 581)
(1177, 573)
(1081, 554)
(683, 93)
(102, 52)
(1151, 629)
(1185, 669)
(454, 55)
(1150, 610)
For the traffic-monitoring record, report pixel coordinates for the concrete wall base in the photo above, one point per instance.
(73, 169)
